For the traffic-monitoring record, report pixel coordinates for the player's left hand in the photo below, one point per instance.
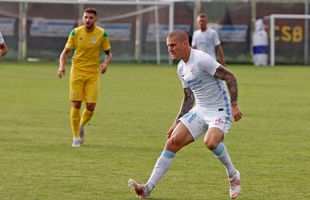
(237, 114)
(104, 68)
(61, 72)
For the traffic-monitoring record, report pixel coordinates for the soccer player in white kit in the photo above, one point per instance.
(3, 47)
(216, 106)
(206, 39)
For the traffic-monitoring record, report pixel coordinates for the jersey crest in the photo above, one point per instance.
(93, 40)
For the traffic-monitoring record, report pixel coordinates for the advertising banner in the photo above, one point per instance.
(117, 32)
(7, 26)
(51, 27)
(163, 31)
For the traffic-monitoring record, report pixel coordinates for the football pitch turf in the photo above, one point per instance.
(137, 104)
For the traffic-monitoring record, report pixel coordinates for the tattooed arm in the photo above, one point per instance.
(231, 80)
(187, 104)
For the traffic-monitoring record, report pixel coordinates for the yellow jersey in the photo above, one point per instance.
(87, 48)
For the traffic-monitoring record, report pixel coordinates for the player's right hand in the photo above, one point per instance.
(236, 113)
(60, 73)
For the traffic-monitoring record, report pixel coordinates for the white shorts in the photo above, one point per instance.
(198, 120)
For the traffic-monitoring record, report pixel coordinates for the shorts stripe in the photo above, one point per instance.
(225, 97)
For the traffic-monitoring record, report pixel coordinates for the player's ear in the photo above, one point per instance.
(185, 43)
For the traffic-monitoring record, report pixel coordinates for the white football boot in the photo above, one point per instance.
(141, 190)
(76, 142)
(234, 186)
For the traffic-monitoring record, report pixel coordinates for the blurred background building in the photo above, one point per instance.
(38, 30)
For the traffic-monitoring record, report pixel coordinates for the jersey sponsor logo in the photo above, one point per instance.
(194, 83)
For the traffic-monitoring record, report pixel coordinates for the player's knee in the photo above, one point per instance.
(211, 144)
(91, 109)
(173, 145)
(90, 106)
(76, 104)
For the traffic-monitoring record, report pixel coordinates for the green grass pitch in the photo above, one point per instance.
(137, 104)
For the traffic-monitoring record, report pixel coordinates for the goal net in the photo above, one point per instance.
(289, 39)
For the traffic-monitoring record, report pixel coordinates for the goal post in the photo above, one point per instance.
(272, 30)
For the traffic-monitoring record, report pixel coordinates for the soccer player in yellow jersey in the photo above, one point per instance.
(88, 41)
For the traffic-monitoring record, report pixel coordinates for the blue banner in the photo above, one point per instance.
(117, 32)
(231, 33)
(163, 31)
(51, 27)
(7, 26)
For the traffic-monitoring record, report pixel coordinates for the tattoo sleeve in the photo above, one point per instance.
(231, 80)
(187, 104)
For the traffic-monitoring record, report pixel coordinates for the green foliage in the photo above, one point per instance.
(137, 105)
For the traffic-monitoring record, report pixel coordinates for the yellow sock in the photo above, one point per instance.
(86, 116)
(75, 121)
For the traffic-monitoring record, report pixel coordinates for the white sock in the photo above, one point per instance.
(162, 165)
(222, 154)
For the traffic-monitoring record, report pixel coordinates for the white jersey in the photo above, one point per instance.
(1, 38)
(198, 74)
(206, 41)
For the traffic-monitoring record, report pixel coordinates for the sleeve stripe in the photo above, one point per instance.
(72, 33)
(105, 34)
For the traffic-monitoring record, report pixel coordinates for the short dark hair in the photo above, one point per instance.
(91, 10)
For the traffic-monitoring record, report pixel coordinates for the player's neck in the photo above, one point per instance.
(91, 29)
(186, 55)
(203, 29)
